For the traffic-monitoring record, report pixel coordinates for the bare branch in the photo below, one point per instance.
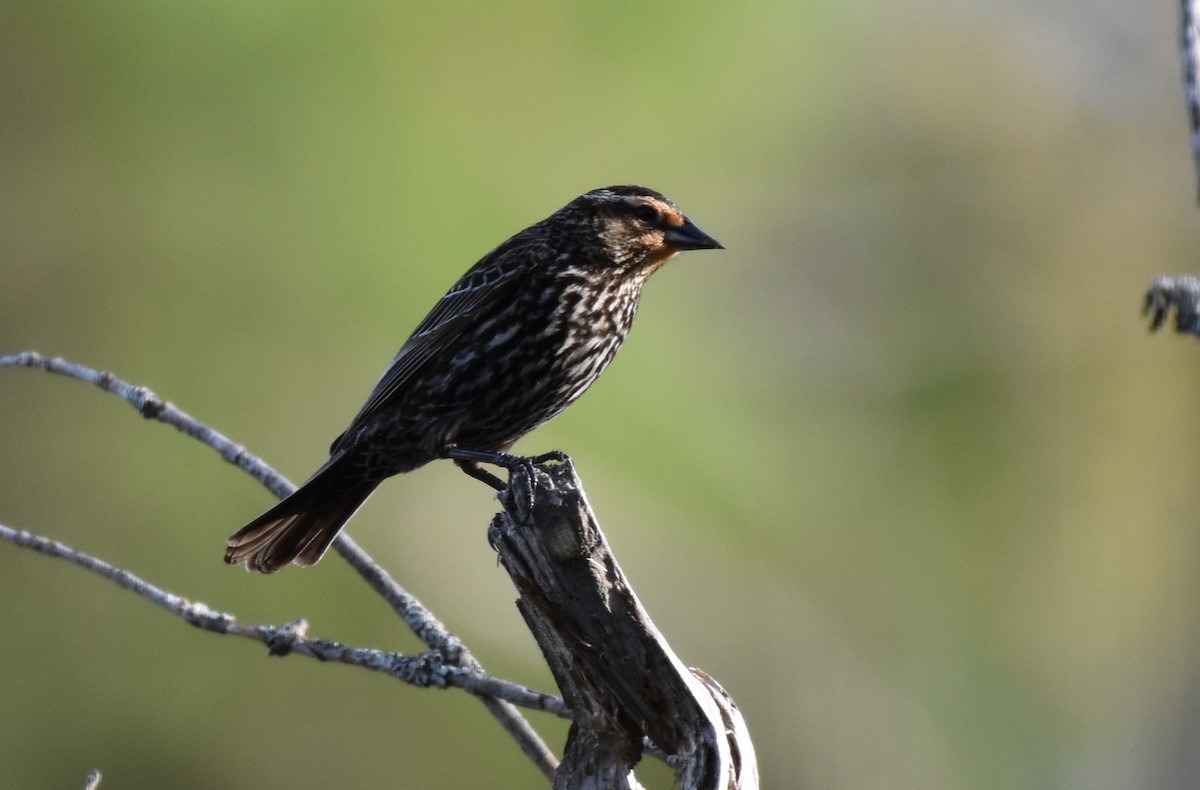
(153, 407)
(425, 671)
(422, 622)
(1182, 293)
(1190, 45)
(630, 698)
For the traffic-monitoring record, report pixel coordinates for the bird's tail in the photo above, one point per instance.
(300, 528)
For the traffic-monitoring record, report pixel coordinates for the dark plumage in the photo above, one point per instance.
(517, 339)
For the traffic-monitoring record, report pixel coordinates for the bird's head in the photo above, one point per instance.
(638, 227)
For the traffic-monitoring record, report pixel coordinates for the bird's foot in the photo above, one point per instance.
(472, 461)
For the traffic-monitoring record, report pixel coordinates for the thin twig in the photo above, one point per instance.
(1189, 42)
(422, 622)
(152, 407)
(1182, 293)
(425, 671)
(431, 631)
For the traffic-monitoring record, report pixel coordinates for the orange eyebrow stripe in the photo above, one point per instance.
(673, 216)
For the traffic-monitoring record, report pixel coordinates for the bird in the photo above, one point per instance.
(521, 335)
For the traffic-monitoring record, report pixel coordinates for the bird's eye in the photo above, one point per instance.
(646, 213)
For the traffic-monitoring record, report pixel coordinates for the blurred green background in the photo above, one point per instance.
(901, 468)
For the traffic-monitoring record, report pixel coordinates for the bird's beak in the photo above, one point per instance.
(689, 237)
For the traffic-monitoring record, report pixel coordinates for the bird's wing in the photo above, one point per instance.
(485, 286)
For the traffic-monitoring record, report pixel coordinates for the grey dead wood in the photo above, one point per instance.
(619, 677)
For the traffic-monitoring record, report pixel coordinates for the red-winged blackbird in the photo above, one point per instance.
(517, 339)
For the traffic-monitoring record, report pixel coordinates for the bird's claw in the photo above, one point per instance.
(472, 461)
